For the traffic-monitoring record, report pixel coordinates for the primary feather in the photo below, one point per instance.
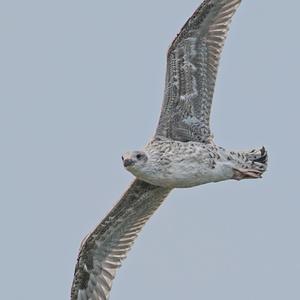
(192, 65)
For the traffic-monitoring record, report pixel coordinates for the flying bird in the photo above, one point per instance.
(181, 154)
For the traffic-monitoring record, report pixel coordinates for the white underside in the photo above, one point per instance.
(184, 175)
(175, 164)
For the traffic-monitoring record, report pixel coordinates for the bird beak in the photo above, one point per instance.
(127, 162)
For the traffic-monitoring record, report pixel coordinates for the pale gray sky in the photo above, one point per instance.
(82, 82)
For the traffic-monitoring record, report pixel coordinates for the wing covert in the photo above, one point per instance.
(103, 250)
(192, 64)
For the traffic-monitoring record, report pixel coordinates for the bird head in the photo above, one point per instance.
(134, 161)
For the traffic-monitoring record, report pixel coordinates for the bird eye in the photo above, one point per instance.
(139, 156)
(123, 158)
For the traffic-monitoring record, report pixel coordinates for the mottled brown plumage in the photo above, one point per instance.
(182, 153)
(107, 245)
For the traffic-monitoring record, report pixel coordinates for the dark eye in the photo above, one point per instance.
(139, 156)
(123, 158)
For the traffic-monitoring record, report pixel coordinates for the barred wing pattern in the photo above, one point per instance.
(192, 64)
(104, 249)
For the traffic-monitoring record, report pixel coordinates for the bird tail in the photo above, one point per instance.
(251, 164)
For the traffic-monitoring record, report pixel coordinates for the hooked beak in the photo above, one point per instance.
(128, 162)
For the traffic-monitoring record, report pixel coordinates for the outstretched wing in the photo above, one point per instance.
(104, 249)
(192, 65)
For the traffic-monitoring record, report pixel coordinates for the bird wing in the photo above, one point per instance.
(192, 64)
(104, 249)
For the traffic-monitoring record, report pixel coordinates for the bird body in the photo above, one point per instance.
(181, 154)
(176, 164)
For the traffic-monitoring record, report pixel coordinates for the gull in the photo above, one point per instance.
(181, 154)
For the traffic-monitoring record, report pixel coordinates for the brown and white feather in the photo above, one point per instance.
(103, 250)
(192, 65)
